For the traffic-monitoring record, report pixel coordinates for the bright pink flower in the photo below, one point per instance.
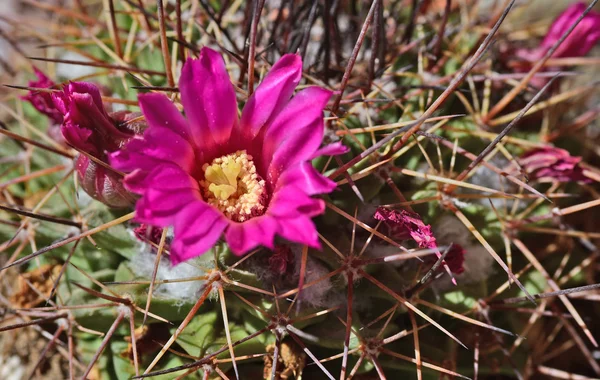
(42, 101)
(552, 163)
(404, 224)
(250, 179)
(581, 40)
(90, 129)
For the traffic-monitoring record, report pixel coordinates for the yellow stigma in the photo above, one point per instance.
(232, 185)
(223, 179)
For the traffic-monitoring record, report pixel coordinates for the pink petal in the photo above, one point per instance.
(197, 229)
(296, 133)
(300, 230)
(160, 207)
(130, 160)
(81, 105)
(272, 95)
(85, 88)
(305, 176)
(78, 137)
(163, 176)
(42, 101)
(208, 98)
(166, 191)
(159, 145)
(242, 237)
(334, 149)
(291, 202)
(159, 111)
(581, 40)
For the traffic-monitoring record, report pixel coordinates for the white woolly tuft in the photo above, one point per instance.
(478, 265)
(367, 210)
(143, 265)
(448, 229)
(83, 199)
(11, 368)
(317, 294)
(69, 71)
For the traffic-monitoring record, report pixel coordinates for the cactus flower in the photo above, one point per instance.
(90, 129)
(581, 40)
(213, 174)
(553, 164)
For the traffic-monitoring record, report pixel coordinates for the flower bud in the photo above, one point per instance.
(581, 40)
(553, 164)
(102, 183)
(94, 133)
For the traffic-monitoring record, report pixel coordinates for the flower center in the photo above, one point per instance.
(232, 185)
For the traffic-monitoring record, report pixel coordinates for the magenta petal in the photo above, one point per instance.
(163, 176)
(298, 147)
(129, 159)
(208, 98)
(159, 145)
(160, 207)
(42, 101)
(81, 105)
(306, 177)
(88, 89)
(159, 111)
(197, 229)
(272, 95)
(300, 230)
(297, 132)
(315, 208)
(291, 202)
(581, 40)
(79, 137)
(334, 149)
(242, 237)
(136, 181)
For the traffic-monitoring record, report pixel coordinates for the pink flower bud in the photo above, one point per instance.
(91, 130)
(552, 163)
(581, 40)
(86, 125)
(102, 183)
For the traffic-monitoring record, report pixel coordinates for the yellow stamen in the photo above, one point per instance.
(232, 185)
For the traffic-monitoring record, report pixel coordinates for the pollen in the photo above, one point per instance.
(232, 185)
